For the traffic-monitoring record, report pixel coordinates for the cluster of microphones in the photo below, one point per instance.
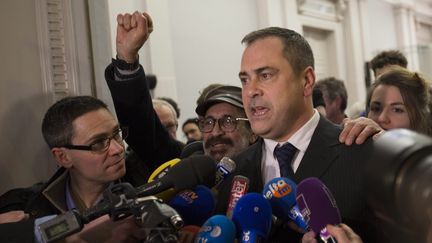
(179, 201)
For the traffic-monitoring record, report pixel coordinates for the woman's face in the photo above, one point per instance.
(387, 108)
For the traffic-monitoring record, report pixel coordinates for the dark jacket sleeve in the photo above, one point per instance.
(134, 109)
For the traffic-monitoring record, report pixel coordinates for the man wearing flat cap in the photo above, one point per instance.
(223, 123)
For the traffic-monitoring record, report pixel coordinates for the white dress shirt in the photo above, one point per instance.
(300, 140)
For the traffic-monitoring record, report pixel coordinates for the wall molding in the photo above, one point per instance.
(56, 40)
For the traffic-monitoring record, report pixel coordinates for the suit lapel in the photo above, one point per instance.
(321, 152)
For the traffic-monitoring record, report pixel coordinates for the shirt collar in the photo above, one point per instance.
(301, 138)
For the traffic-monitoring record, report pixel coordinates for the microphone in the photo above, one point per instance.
(192, 149)
(163, 169)
(194, 206)
(186, 174)
(281, 193)
(318, 206)
(253, 218)
(217, 229)
(160, 172)
(224, 169)
(239, 187)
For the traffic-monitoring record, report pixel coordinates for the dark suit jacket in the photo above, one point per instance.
(338, 166)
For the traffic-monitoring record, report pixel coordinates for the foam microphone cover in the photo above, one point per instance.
(193, 171)
(224, 169)
(194, 206)
(217, 229)
(281, 193)
(192, 149)
(252, 216)
(160, 172)
(317, 204)
(188, 173)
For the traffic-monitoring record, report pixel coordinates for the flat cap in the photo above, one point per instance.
(225, 93)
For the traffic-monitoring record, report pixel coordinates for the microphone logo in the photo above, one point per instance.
(305, 212)
(238, 188)
(278, 189)
(189, 196)
(246, 236)
(216, 232)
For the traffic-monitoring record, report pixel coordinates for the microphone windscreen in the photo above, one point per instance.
(224, 169)
(281, 193)
(317, 204)
(252, 216)
(217, 229)
(193, 171)
(192, 149)
(194, 206)
(160, 172)
(239, 187)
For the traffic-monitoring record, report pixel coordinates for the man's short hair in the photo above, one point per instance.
(391, 57)
(161, 102)
(57, 124)
(332, 87)
(190, 120)
(173, 104)
(296, 49)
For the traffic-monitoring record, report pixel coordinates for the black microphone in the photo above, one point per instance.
(188, 173)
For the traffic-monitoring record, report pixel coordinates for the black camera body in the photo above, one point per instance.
(399, 180)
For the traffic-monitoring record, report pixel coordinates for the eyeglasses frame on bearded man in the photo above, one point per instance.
(101, 145)
(226, 123)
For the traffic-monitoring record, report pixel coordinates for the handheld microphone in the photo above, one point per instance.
(281, 193)
(160, 172)
(194, 206)
(253, 218)
(318, 206)
(239, 187)
(224, 169)
(192, 149)
(217, 229)
(186, 174)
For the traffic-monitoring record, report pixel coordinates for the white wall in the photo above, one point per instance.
(194, 43)
(382, 26)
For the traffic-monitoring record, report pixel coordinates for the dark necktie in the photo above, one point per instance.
(284, 155)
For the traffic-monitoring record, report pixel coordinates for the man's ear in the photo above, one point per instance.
(309, 81)
(62, 157)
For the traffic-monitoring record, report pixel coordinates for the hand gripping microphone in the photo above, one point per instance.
(194, 206)
(160, 172)
(253, 218)
(192, 171)
(318, 206)
(281, 193)
(217, 229)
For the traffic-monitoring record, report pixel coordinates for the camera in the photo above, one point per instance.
(399, 180)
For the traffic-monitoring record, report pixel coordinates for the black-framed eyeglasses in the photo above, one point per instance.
(101, 145)
(226, 123)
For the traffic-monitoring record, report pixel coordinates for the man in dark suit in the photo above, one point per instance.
(277, 75)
